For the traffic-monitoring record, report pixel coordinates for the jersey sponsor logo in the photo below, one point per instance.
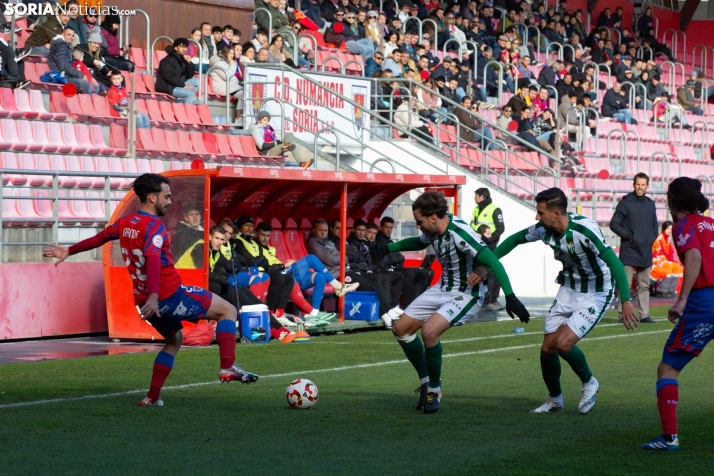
(463, 243)
(158, 241)
(591, 310)
(163, 309)
(703, 333)
(531, 230)
(682, 239)
(450, 312)
(180, 310)
(459, 298)
(705, 225)
(135, 220)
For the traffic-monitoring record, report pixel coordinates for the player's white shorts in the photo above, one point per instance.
(455, 306)
(579, 311)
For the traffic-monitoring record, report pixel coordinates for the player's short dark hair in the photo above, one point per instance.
(115, 72)
(359, 222)
(333, 221)
(483, 229)
(554, 199)
(685, 193)
(189, 207)
(431, 203)
(641, 175)
(216, 229)
(202, 24)
(147, 184)
(318, 221)
(372, 226)
(483, 191)
(229, 222)
(386, 220)
(228, 27)
(180, 42)
(264, 226)
(216, 29)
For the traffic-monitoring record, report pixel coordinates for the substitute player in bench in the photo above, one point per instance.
(456, 299)
(163, 300)
(589, 265)
(694, 239)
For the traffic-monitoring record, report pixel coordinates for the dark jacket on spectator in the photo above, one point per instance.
(654, 91)
(357, 252)
(46, 32)
(326, 251)
(60, 59)
(612, 102)
(371, 67)
(635, 221)
(547, 76)
(392, 259)
(173, 72)
(466, 119)
(517, 104)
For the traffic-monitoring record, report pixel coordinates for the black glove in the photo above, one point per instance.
(379, 251)
(514, 306)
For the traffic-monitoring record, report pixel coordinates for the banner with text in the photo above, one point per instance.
(309, 107)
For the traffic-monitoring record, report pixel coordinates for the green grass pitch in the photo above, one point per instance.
(364, 421)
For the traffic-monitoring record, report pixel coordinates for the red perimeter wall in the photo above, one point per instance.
(39, 300)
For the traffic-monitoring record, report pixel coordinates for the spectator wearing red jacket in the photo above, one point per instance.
(118, 97)
(78, 63)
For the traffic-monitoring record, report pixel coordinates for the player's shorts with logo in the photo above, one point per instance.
(693, 330)
(579, 311)
(188, 303)
(455, 306)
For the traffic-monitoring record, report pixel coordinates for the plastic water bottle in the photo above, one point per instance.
(519, 330)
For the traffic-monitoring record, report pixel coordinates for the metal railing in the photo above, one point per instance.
(228, 89)
(703, 57)
(270, 20)
(125, 26)
(675, 40)
(153, 51)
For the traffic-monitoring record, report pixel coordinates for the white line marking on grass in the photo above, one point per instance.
(307, 372)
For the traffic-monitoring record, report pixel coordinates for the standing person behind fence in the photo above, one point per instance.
(489, 214)
(635, 222)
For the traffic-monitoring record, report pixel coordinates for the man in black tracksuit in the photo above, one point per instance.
(416, 280)
(360, 259)
(247, 246)
(635, 222)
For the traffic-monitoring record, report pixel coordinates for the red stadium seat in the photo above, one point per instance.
(7, 97)
(83, 139)
(70, 138)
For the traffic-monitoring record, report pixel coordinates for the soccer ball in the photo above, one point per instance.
(301, 393)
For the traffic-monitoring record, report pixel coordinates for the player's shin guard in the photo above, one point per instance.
(667, 399)
(163, 364)
(226, 339)
(576, 359)
(297, 298)
(550, 367)
(414, 350)
(433, 364)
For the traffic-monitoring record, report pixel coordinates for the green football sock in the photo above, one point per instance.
(433, 363)
(576, 359)
(414, 351)
(550, 367)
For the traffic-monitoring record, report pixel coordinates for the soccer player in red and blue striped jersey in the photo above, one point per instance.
(694, 240)
(161, 298)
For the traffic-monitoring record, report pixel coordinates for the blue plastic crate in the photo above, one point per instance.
(362, 306)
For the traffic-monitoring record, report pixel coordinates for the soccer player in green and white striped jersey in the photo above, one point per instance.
(589, 266)
(456, 299)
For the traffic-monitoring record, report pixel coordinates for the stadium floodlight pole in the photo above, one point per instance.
(148, 34)
(153, 48)
(270, 21)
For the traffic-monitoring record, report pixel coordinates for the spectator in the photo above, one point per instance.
(319, 245)
(89, 25)
(248, 54)
(198, 55)
(685, 98)
(548, 74)
(78, 63)
(262, 19)
(394, 64)
(503, 121)
(645, 23)
(188, 232)
(518, 101)
(541, 101)
(569, 114)
(75, 22)
(118, 98)
(373, 31)
(427, 103)
(544, 126)
(488, 213)
(659, 48)
(222, 86)
(373, 64)
(635, 222)
(564, 86)
(60, 60)
(614, 105)
(355, 37)
(664, 111)
(391, 44)
(175, 74)
(115, 52)
(267, 143)
(278, 54)
(93, 59)
(665, 267)
(260, 40)
(39, 42)
(410, 122)
(12, 70)
(472, 128)
(207, 40)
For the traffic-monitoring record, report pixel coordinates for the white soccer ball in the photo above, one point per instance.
(301, 393)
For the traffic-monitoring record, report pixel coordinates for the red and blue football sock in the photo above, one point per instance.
(667, 399)
(226, 339)
(163, 364)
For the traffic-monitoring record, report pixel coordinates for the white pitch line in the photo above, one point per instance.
(305, 372)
